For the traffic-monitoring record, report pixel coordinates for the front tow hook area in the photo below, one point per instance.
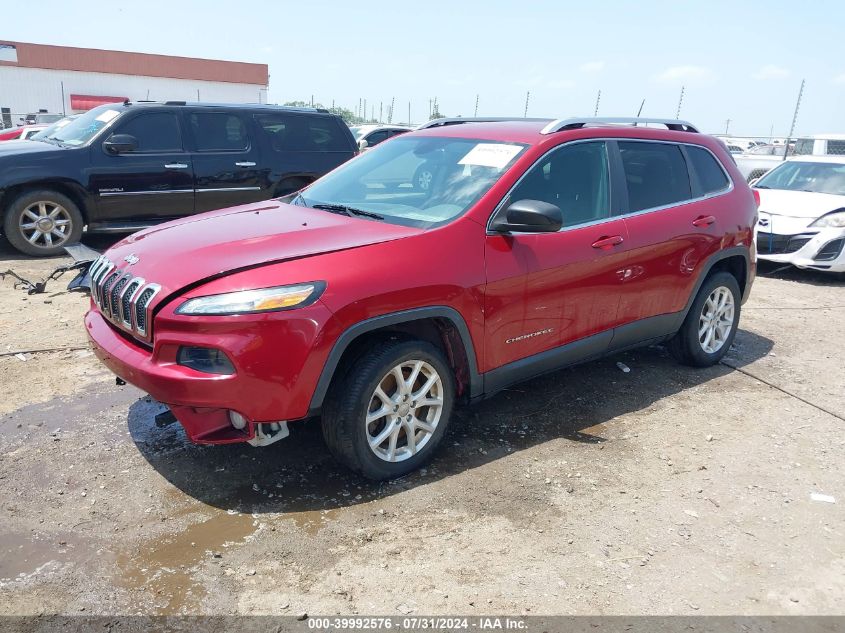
(268, 432)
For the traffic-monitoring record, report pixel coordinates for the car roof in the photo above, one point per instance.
(535, 131)
(234, 106)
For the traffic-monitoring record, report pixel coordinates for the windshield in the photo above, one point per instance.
(801, 176)
(48, 131)
(81, 130)
(416, 181)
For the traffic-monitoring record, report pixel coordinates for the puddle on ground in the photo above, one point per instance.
(163, 568)
(312, 521)
(68, 414)
(22, 554)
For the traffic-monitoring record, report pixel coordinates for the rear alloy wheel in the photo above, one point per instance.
(42, 222)
(711, 323)
(388, 412)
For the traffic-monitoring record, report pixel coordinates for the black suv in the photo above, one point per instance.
(122, 167)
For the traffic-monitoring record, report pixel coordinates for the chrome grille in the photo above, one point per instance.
(122, 299)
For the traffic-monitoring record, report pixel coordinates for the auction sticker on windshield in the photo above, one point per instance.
(490, 155)
(107, 116)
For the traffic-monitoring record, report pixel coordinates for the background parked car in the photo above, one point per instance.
(758, 160)
(121, 167)
(821, 145)
(802, 213)
(22, 133)
(368, 136)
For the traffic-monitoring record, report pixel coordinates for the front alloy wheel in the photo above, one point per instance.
(404, 411)
(388, 409)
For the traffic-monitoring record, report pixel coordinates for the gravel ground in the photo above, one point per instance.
(666, 490)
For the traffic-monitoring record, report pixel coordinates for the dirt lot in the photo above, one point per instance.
(666, 490)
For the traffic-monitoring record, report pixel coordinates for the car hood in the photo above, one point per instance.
(17, 147)
(798, 204)
(202, 247)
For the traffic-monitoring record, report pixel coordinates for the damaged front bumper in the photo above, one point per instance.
(824, 250)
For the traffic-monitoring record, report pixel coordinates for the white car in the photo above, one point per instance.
(802, 213)
(368, 136)
(756, 161)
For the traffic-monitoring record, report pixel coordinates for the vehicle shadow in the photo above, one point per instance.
(298, 475)
(808, 276)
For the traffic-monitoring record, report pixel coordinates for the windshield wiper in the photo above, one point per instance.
(346, 210)
(762, 187)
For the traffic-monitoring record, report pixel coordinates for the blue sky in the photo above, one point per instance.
(742, 61)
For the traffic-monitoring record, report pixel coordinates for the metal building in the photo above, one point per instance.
(64, 80)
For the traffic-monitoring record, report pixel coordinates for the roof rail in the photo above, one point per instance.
(561, 125)
(458, 120)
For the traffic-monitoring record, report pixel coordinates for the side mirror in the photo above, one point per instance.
(528, 216)
(362, 144)
(120, 143)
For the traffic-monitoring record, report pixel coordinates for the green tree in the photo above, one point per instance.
(347, 115)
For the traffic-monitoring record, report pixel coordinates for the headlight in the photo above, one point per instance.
(249, 301)
(832, 220)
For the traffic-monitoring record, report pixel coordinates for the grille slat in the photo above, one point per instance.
(774, 244)
(122, 299)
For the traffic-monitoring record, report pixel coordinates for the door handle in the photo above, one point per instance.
(245, 163)
(607, 242)
(704, 220)
(175, 166)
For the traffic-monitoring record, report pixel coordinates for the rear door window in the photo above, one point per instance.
(655, 173)
(290, 132)
(154, 131)
(218, 132)
(711, 177)
(376, 137)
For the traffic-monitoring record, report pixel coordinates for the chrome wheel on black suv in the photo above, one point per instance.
(387, 415)
(42, 222)
(710, 326)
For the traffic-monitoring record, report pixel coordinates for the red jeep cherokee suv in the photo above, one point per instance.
(440, 267)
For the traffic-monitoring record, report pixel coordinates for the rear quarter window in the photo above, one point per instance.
(711, 177)
(290, 132)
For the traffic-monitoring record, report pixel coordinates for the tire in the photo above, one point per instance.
(346, 431)
(423, 178)
(690, 347)
(58, 213)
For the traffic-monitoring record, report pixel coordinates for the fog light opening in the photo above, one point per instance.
(237, 420)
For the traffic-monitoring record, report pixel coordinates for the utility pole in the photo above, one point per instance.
(312, 101)
(390, 114)
(527, 97)
(771, 133)
(476, 106)
(429, 108)
(598, 98)
(380, 111)
(794, 119)
(680, 101)
(365, 110)
(409, 114)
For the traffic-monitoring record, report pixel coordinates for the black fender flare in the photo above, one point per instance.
(387, 320)
(714, 259)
